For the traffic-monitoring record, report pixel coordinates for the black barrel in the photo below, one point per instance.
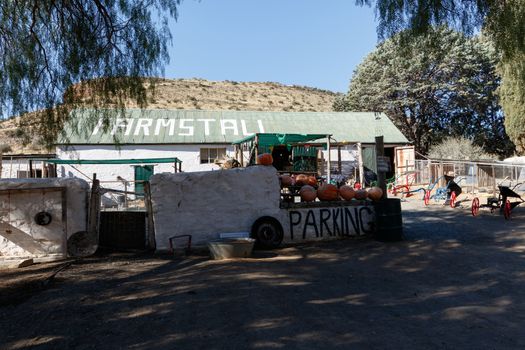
(389, 222)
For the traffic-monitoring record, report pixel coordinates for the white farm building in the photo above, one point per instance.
(144, 142)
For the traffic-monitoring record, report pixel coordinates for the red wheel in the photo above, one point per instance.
(507, 210)
(453, 200)
(475, 206)
(427, 197)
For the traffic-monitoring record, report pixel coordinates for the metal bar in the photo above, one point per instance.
(328, 173)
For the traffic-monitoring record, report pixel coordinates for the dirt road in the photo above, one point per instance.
(456, 282)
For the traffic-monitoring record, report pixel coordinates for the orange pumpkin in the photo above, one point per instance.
(328, 192)
(286, 181)
(265, 159)
(307, 193)
(312, 181)
(361, 194)
(301, 180)
(347, 192)
(375, 193)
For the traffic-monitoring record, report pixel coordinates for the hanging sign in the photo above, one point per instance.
(383, 164)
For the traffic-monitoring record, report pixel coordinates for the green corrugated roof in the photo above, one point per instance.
(196, 126)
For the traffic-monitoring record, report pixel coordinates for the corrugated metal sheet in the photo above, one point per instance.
(185, 126)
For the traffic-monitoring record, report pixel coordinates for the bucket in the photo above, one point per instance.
(389, 221)
(227, 248)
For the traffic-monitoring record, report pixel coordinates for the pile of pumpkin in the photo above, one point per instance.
(325, 192)
(328, 192)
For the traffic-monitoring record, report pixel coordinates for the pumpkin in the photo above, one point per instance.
(265, 159)
(307, 193)
(286, 181)
(301, 180)
(312, 181)
(328, 192)
(361, 194)
(347, 192)
(375, 193)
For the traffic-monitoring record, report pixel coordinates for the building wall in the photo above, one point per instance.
(188, 154)
(13, 168)
(18, 209)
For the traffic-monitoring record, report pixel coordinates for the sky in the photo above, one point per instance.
(293, 42)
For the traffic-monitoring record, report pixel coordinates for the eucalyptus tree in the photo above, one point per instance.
(48, 46)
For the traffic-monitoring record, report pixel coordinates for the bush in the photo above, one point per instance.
(458, 148)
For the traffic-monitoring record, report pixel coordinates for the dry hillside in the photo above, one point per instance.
(210, 95)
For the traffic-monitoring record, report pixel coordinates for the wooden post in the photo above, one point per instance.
(328, 170)
(150, 239)
(30, 168)
(94, 210)
(339, 163)
(360, 162)
(494, 178)
(380, 152)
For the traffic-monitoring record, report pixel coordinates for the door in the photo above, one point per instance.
(121, 230)
(142, 173)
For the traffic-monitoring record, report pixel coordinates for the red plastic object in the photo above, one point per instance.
(475, 206)
(357, 186)
(453, 200)
(427, 197)
(507, 210)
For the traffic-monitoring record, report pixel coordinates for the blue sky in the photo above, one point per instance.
(302, 42)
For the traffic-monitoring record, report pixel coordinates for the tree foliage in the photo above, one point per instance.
(503, 21)
(458, 148)
(47, 46)
(434, 86)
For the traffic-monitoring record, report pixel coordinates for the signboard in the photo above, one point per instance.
(383, 164)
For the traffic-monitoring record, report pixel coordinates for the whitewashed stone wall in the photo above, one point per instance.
(19, 208)
(205, 204)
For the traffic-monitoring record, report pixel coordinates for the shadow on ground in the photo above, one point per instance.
(456, 282)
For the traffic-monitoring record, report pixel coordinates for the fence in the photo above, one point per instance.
(471, 176)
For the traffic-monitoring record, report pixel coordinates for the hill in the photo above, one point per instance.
(206, 95)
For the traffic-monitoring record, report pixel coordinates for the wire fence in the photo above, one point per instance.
(473, 177)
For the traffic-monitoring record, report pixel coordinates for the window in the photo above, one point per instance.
(208, 155)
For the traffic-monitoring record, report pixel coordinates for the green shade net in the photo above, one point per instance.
(115, 161)
(267, 140)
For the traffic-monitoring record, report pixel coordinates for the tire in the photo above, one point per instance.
(474, 208)
(507, 210)
(267, 232)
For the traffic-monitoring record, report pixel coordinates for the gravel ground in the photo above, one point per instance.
(456, 282)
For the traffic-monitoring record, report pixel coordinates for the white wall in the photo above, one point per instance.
(204, 204)
(18, 209)
(188, 154)
(10, 167)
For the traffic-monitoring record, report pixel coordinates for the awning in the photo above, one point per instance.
(272, 139)
(115, 161)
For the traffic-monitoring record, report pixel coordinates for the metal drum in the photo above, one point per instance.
(389, 222)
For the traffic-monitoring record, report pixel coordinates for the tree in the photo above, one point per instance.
(433, 86)
(512, 94)
(458, 148)
(47, 46)
(503, 21)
